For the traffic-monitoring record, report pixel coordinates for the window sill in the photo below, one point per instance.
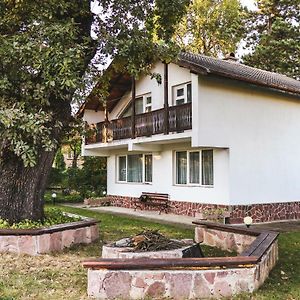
(134, 183)
(194, 185)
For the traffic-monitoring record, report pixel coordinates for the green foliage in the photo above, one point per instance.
(274, 37)
(46, 49)
(144, 35)
(61, 198)
(60, 161)
(53, 216)
(73, 140)
(56, 177)
(43, 50)
(91, 179)
(212, 27)
(24, 130)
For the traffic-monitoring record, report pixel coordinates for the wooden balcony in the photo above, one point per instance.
(147, 124)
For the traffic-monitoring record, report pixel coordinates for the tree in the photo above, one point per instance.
(274, 37)
(73, 140)
(45, 50)
(59, 160)
(212, 27)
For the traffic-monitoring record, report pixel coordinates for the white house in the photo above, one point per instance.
(214, 134)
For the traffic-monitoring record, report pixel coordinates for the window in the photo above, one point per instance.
(194, 167)
(135, 168)
(122, 168)
(142, 104)
(182, 94)
(148, 168)
(181, 163)
(148, 103)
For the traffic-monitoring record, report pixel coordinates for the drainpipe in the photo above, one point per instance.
(166, 98)
(133, 108)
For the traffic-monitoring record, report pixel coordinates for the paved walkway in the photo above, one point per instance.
(284, 226)
(142, 214)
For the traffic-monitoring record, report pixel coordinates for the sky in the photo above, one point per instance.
(249, 3)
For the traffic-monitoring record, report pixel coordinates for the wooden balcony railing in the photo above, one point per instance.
(147, 124)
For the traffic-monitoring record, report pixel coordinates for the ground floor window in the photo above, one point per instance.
(194, 167)
(135, 168)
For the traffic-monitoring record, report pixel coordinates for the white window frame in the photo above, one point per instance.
(188, 169)
(145, 105)
(143, 172)
(175, 88)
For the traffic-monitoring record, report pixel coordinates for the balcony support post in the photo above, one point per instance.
(133, 108)
(166, 98)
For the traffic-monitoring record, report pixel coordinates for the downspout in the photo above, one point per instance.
(166, 98)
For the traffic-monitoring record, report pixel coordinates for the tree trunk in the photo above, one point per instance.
(22, 188)
(75, 159)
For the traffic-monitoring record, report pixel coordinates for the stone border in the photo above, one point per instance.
(50, 239)
(276, 211)
(190, 278)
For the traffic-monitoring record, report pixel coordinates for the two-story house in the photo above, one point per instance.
(214, 134)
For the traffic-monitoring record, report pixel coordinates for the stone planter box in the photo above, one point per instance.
(189, 278)
(50, 239)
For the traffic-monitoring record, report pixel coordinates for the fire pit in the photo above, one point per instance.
(189, 278)
(151, 244)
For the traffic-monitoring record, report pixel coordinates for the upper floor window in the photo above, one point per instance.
(182, 93)
(143, 104)
(194, 167)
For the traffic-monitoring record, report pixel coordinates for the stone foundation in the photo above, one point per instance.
(259, 212)
(51, 239)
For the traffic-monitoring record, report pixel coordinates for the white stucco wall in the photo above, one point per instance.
(163, 178)
(261, 128)
(145, 85)
(93, 117)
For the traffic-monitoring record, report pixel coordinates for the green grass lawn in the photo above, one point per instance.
(61, 276)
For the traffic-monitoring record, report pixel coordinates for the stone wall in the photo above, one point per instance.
(180, 284)
(259, 212)
(266, 264)
(34, 244)
(225, 279)
(266, 212)
(229, 241)
(185, 284)
(176, 207)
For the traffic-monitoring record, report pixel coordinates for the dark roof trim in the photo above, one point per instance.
(205, 65)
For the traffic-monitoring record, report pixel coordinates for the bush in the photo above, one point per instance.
(53, 216)
(56, 177)
(61, 198)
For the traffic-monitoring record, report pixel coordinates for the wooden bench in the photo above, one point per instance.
(161, 201)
